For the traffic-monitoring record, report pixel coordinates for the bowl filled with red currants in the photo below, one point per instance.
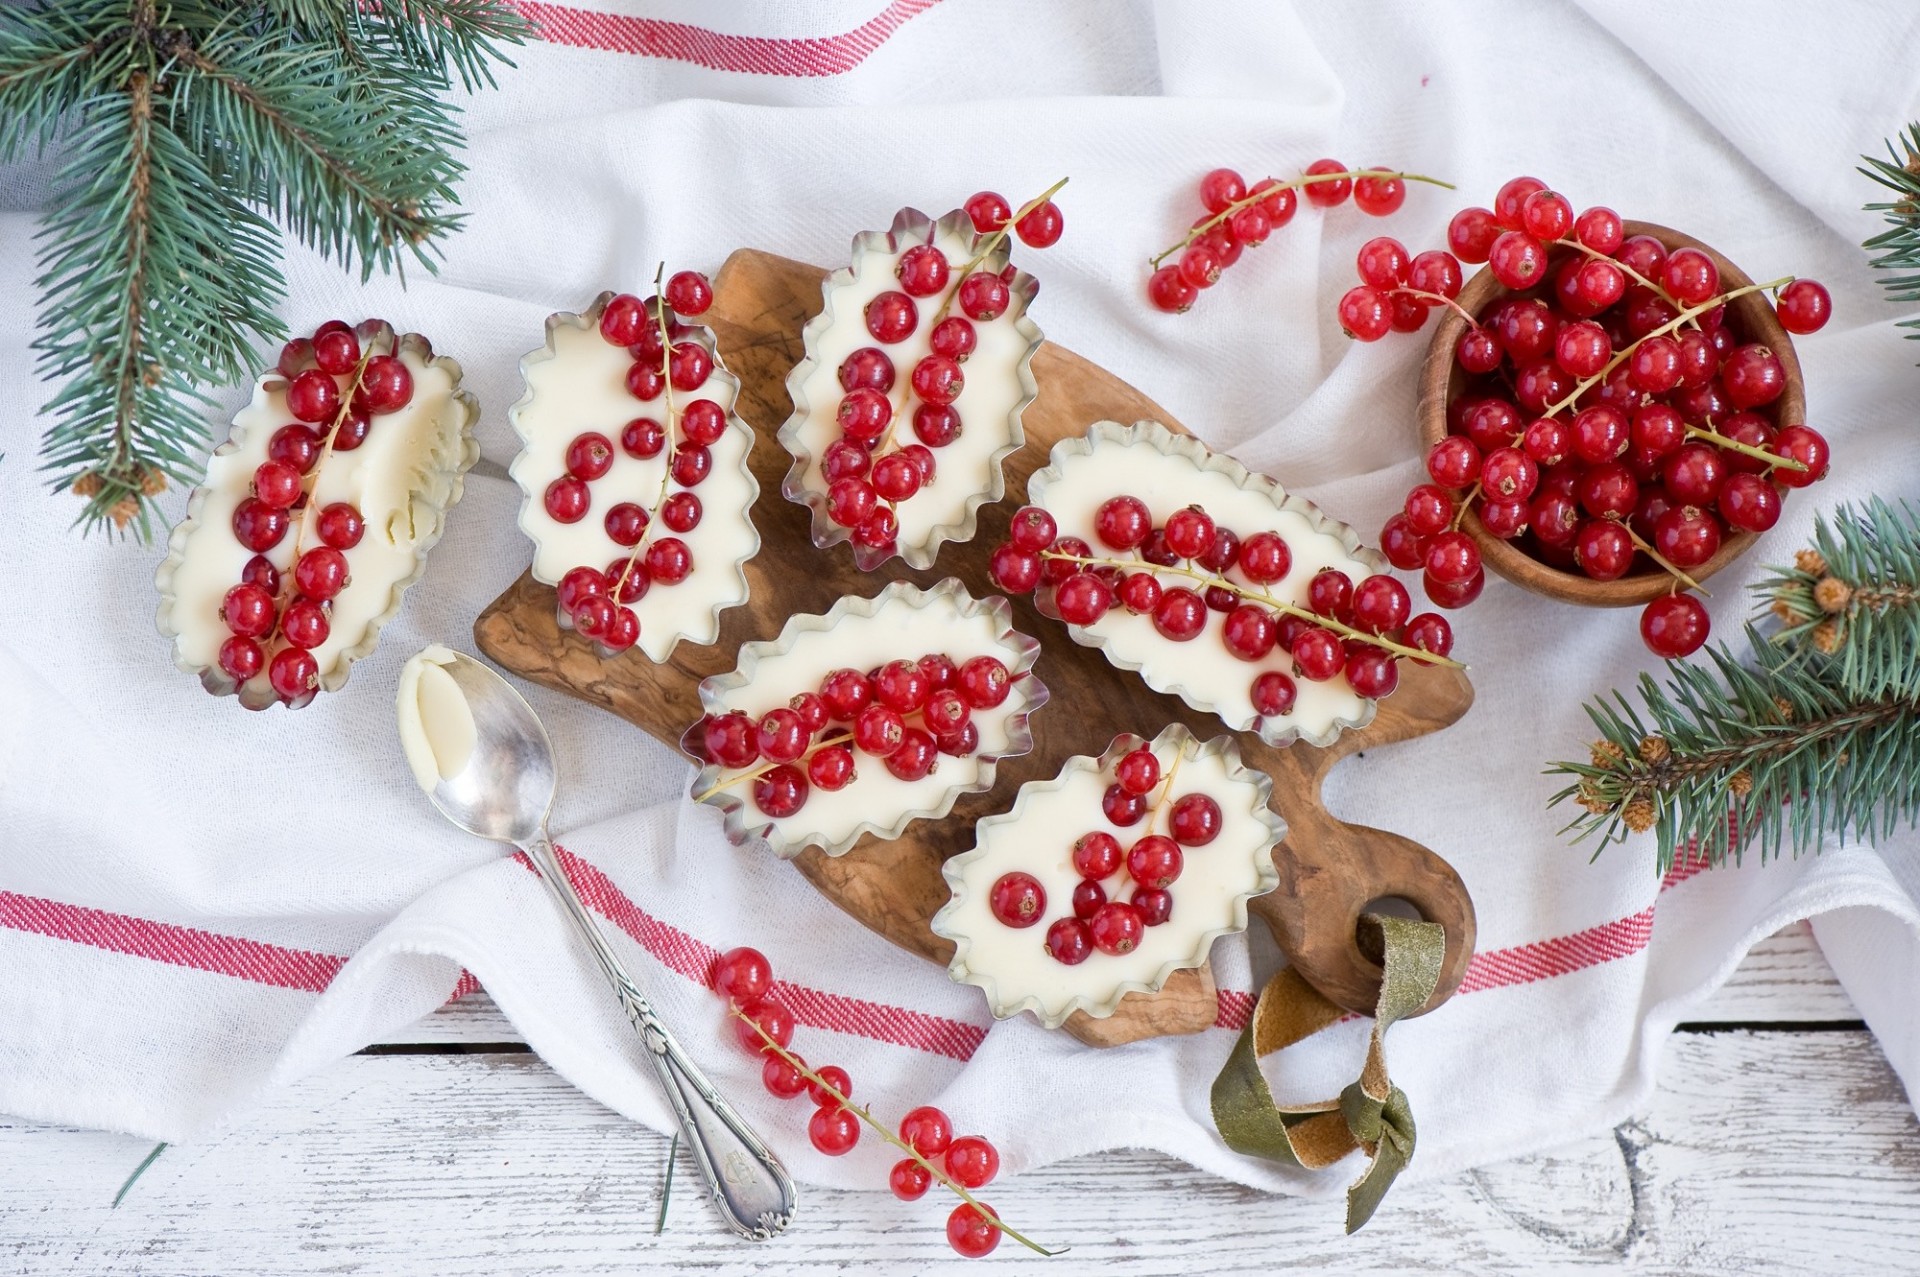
(1612, 411)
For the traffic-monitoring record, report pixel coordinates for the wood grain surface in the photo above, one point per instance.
(1330, 870)
(1765, 1154)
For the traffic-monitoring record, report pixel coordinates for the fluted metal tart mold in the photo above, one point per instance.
(251, 693)
(743, 822)
(532, 488)
(910, 226)
(1004, 1004)
(1190, 450)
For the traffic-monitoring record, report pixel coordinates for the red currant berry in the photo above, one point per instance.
(1674, 626)
(1041, 227)
(1383, 262)
(1096, 855)
(984, 297)
(1221, 188)
(1517, 260)
(1687, 536)
(1694, 473)
(623, 319)
(313, 396)
(926, 1130)
(1138, 771)
(1804, 306)
(1189, 532)
(1690, 276)
(1603, 549)
(892, 317)
(1069, 942)
(1601, 229)
(294, 357)
(831, 769)
(895, 477)
(909, 1180)
(566, 500)
(1180, 614)
(1471, 234)
(293, 674)
(833, 1086)
(878, 730)
(972, 1234)
(1249, 632)
(1511, 198)
(1082, 598)
(731, 739)
(669, 560)
(1123, 807)
(1273, 694)
(1169, 291)
(1155, 862)
(1014, 570)
(763, 1015)
(241, 658)
(781, 1079)
(1377, 194)
(1316, 654)
(248, 611)
(1122, 522)
(1329, 191)
(1429, 632)
(1428, 510)
(1033, 529)
(1452, 557)
(1454, 462)
(385, 385)
(850, 502)
(742, 974)
(1017, 899)
(1749, 503)
(259, 526)
(989, 211)
(984, 681)
(833, 1130)
(1437, 272)
(1805, 445)
(1115, 928)
(1366, 313)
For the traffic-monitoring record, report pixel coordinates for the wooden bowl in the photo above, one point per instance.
(1442, 380)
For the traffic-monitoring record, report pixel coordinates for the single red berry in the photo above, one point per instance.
(1381, 604)
(1606, 492)
(1169, 290)
(1435, 271)
(1317, 654)
(1017, 899)
(313, 396)
(1180, 614)
(1807, 446)
(1601, 229)
(989, 211)
(1082, 598)
(689, 365)
(1273, 694)
(1517, 260)
(1122, 522)
(731, 739)
(926, 1130)
(1404, 548)
(1428, 509)
(1694, 472)
(623, 319)
(248, 611)
(1753, 376)
(1452, 557)
(293, 674)
(1328, 192)
(258, 526)
(971, 1234)
(1155, 862)
(781, 1078)
(850, 502)
(831, 769)
(938, 380)
(1330, 593)
(1690, 276)
(1687, 536)
(689, 292)
(1041, 227)
(1429, 632)
(909, 1180)
(669, 560)
(1221, 188)
(1138, 771)
(1377, 194)
(1546, 215)
(1189, 532)
(1383, 262)
(834, 1087)
(1603, 549)
(294, 357)
(892, 317)
(1033, 529)
(1366, 313)
(1454, 462)
(1069, 942)
(763, 1015)
(1249, 632)
(643, 437)
(1471, 234)
(566, 500)
(878, 730)
(984, 297)
(1122, 807)
(1674, 626)
(1454, 594)
(1096, 855)
(833, 1130)
(385, 384)
(1115, 928)
(276, 484)
(984, 681)
(895, 477)
(1372, 673)
(241, 658)
(1014, 570)
(1600, 434)
(1804, 306)
(320, 573)
(743, 975)
(1194, 821)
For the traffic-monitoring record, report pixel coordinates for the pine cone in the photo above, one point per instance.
(1810, 562)
(87, 485)
(1639, 816)
(1607, 754)
(1826, 637)
(153, 483)
(1654, 749)
(124, 511)
(1740, 783)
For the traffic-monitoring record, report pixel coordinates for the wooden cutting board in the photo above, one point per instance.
(1330, 871)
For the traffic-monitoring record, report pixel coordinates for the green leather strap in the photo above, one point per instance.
(1371, 1115)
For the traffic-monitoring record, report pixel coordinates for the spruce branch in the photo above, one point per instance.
(1852, 603)
(191, 133)
(1812, 732)
(1897, 249)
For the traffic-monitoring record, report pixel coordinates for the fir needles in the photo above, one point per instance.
(1813, 731)
(192, 134)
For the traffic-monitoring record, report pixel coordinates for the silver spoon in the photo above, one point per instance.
(504, 793)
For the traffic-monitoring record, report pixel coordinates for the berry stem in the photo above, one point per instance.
(861, 1112)
(1746, 449)
(1672, 325)
(1305, 179)
(1460, 511)
(1570, 242)
(755, 773)
(1262, 597)
(1647, 549)
(666, 398)
(1437, 299)
(311, 485)
(1166, 788)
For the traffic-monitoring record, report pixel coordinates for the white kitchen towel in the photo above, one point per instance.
(197, 903)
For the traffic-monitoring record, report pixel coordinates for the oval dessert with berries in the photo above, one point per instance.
(316, 513)
(1213, 583)
(1110, 877)
(634, 467)
(883, 711)
(912, 385)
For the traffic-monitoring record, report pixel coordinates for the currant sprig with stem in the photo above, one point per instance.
(755, 773)
(1745, 449)
(986, 246)
(1264, 599)
(666, 399)
(1267, 192)
(1571, 241)
(880, 1128)
(340, 414)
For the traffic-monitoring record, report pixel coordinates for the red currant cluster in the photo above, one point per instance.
(1101, 920)
(905, 713)
(765, 1027)
(668, 355)
(334, 390)
(1359, 630)
(1239, 217)
(1613, 409)
(867, 476)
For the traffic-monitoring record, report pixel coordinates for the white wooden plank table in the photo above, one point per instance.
(1779, 1142)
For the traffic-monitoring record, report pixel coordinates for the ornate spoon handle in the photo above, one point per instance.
(750, 1187)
